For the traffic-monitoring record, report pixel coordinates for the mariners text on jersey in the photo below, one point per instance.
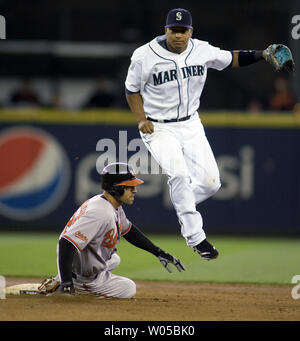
(171, 84)
(170, 75)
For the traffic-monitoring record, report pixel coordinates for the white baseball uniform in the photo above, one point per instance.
(171, 85)
(95, 229)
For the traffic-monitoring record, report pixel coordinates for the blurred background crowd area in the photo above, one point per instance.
(73, 54)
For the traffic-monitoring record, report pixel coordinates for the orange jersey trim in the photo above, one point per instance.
(124, 232)
(72, 241)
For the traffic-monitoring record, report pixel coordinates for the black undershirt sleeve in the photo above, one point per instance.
(246, 57)
(66, 252)
(137, 238)
(249, 57)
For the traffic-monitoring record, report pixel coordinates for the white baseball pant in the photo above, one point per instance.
(184, 154)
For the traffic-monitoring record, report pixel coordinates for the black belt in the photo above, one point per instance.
(170, 121)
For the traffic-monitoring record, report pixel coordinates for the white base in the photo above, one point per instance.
(23, 289)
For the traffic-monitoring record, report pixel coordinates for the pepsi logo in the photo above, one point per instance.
(34, 173)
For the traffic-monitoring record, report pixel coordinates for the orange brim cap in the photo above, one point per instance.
(131, 183)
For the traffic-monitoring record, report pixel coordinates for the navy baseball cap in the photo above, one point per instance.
(179, 17)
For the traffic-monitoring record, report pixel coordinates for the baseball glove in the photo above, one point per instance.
(280, 57)
(49, 285)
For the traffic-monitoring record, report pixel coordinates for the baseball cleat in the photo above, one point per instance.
(206, 250)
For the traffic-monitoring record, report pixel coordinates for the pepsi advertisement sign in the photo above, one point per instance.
(34, 175)
(48, 170)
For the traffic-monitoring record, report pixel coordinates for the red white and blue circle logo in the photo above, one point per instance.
(34, 173)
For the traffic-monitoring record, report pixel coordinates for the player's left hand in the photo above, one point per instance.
(49, 285)
(280, 57)
(165, 258)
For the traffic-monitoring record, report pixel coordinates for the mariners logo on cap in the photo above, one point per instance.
(178, 16)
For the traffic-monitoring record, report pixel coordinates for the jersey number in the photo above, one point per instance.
(76, 217)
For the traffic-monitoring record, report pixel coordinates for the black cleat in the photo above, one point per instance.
(206, 250)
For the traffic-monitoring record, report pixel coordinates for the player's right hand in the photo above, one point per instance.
(146, 127)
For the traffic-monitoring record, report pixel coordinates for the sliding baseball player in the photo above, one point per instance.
(87, 254)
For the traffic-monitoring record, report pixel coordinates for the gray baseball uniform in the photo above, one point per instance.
(95, 229)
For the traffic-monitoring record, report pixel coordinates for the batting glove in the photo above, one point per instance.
(165, 258)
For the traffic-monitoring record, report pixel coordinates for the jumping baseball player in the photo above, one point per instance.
(163, 88)
(87, 254)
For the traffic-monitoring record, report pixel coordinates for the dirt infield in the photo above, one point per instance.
(159, 301)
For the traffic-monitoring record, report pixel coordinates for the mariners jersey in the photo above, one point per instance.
(171, 84)
(95, 229)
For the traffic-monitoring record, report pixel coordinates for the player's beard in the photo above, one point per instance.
(127, 200)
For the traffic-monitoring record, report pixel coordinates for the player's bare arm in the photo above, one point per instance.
(135, 103)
